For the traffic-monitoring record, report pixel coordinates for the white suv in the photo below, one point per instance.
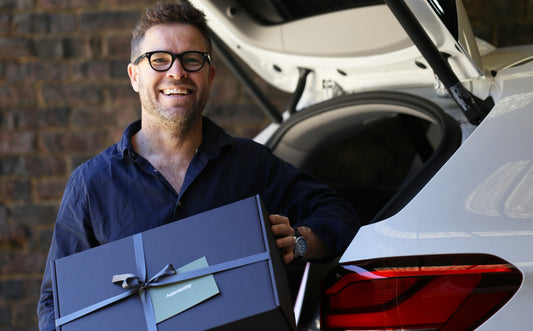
(425, 129)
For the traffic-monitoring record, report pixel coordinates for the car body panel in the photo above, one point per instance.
(502, 58)
(497, 196)
(481, 200)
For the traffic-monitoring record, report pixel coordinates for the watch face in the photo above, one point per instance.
(300, 247)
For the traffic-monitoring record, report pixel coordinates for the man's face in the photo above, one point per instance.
(174, 97)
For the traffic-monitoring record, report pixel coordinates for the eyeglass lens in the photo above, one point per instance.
(191, 61)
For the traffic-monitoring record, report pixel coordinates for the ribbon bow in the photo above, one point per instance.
(132, 281)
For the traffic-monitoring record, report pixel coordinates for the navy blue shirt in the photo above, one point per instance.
(119, 193)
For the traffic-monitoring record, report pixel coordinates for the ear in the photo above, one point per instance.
(212, 72)
(133, 72)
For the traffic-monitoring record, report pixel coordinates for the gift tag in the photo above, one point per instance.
(170, 300)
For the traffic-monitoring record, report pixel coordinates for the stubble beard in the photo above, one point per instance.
(181, 122)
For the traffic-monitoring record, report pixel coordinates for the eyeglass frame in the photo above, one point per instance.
(148, 55)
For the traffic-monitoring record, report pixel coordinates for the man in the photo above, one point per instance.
(179, 163)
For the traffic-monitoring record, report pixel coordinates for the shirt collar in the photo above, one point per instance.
(214, 138)
(125, 144)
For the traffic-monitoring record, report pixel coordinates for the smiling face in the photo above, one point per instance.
(174, 98)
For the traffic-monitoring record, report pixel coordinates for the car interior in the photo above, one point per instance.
(377, 149)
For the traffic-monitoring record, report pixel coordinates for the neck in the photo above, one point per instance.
(170, 152)
(154, 140)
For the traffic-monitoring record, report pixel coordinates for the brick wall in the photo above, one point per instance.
(65, 95)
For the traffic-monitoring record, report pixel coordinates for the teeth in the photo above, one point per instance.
(172, 91)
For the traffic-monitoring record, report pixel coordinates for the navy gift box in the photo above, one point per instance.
(242, 256)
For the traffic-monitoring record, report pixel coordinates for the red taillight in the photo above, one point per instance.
(441, 292)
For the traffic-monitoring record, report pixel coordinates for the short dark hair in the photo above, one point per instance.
(164, 12)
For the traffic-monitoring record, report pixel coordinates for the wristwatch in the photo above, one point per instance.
(300, 245)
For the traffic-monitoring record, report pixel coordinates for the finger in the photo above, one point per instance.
(281, 226)
(287, 254)
(288, 257)
(282, 230)
(285, 243)
(278, 219)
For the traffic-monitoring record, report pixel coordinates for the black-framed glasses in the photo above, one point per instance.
(191, 61)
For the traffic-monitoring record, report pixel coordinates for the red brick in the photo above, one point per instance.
(37, 166)
(49, 189)
(31, 23)
(62, 23)
(17, 142)
(48, 48)
(53, 117)
(16, 119)
(85, 3)
(109, 21)
(74, 142)
(33, 118)
(35, 71)
(21, 262)
(68, 4)
(4, 24)
(34, 214)
(15, 237)
(54, 4)
(5, 314)
(73, 94)
(123, 95)
(119, 70)
(140, 3)
(13, 190)
(119, 45)
(98, 70)
(17, 95)
(86, 117)
(4, 215)
(20, 288)
(24, 316)
(16, 4)
(11, 48)
(12, 166)
(84, 47)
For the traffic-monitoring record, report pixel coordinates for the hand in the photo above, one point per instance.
(283, 231)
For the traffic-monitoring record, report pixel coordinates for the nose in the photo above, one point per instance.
(176, 70)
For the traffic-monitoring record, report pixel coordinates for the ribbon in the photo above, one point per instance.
(131, 281)
(136, 283)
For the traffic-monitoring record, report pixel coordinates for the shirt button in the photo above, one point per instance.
(179, 204)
